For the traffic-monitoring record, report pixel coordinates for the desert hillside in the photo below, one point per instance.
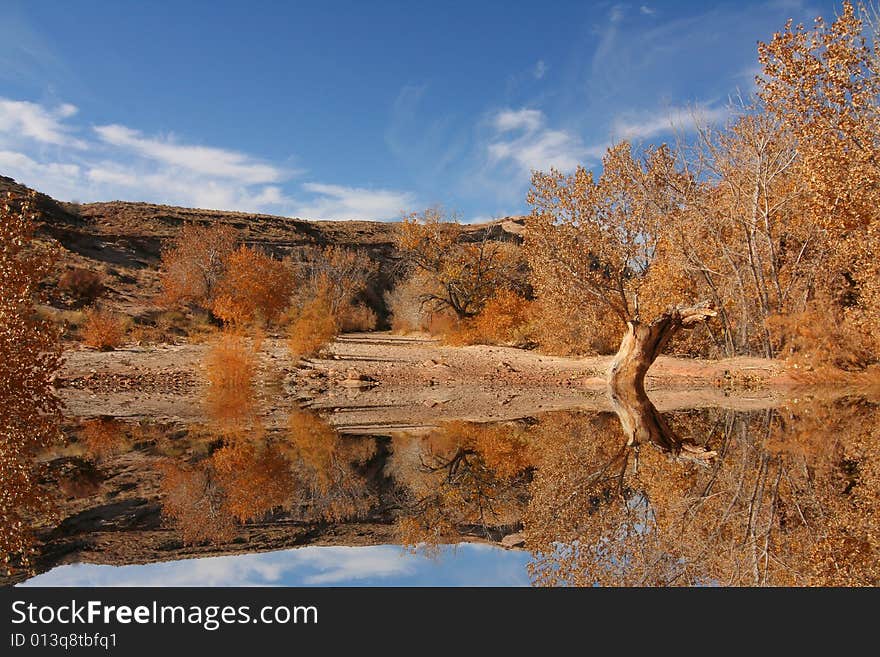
(123, 241)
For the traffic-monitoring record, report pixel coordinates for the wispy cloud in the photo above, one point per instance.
(45, 148)
(32, 121)
(533, 145)
(540, 69)
(198, 159)
(666, 121)
(647, 11)
(341, 202)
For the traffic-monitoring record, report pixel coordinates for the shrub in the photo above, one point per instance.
(254, 288)
(504, 320)
(343, 274)
(408, 313)
(567, 330)
(83, 284)
(313, 329)
(357, 318)
(103, 329)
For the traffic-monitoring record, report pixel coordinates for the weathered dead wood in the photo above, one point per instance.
(641, 345)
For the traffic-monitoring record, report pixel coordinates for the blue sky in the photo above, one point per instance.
(380, 565)
(345, 110)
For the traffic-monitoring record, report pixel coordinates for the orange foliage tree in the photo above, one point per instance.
(254, 287)
(193, 264)
(30, 355)
(823, 85)
(459, 273)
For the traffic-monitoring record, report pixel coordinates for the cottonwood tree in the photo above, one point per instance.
(596, 239)
(458, 274)
(823, 85)
(30, 355)
(193, 264)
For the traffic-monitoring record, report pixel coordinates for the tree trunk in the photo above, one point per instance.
(641, 345)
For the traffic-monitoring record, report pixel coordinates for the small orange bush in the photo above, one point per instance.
(255, 288)
(84, 284)
(103, 329)
(313, 329)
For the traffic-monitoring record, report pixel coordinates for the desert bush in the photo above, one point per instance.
(404, 303)
(83, 284)
(357, 317)
(820, 339)
(103, 330)
(254, 288)
(342, 274)
(193, 264)
(505, 319)
(314, 328)
(230, 369)
(575, 330)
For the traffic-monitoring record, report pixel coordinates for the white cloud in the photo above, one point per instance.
(535, 146)
(510, 119)
(647, 11)
(667, 121)
(32, 121)
(340, 202)
(121, 163)
(198, 159)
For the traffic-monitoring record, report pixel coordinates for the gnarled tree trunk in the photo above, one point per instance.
(641, 345)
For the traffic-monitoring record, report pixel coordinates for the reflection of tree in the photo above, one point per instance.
(103, 436)
(241, 481)
(327, 469)
(776, 507)
(470, 479)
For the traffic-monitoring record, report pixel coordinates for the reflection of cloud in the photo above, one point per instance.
(381, 565)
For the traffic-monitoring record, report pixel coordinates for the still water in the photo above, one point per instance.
(774, 496)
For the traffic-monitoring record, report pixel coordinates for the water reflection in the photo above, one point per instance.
(782, 496)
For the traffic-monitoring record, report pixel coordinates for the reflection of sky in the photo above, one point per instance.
(381, 565)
